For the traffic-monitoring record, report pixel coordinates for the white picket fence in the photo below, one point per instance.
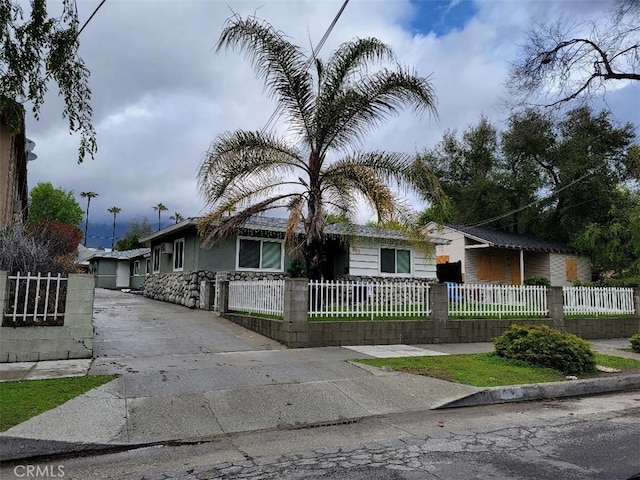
(368, 299)
(489, 300)
(257, 296)
(598, 301)
(34, 299)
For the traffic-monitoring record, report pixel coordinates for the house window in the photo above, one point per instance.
(156, 259)
(393, 260)
(147, 267)
(259, 254)
(491, 268)
(136, 267)
(178, 255)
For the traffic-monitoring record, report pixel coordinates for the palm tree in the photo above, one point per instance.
(160, 208)
(88, 196)
(328, 112)
(177, 217)
(115, 211)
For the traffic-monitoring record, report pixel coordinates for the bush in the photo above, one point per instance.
(537, 281)
(635, 342)
(21, 251)
(546, 347)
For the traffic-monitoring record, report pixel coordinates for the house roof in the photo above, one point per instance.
(122, 255)
(276, 224)
(496, 238)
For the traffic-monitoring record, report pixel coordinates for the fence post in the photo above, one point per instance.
(223, 297)
(3, 291)
(296, 312)
(439, 304)
(555, 304)
(636, 303)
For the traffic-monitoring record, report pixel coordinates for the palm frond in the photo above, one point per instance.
(236, 157)
(365, 105)
(280, 64)
(215, 227)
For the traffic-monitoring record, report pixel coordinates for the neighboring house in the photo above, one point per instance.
(13, 175)
(179, 263)
(120, 269)
(488, 256)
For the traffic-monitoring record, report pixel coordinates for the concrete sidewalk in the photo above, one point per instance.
(142, 408)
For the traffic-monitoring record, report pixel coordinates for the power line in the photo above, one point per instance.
(314, 53)
(531, 204)
(90, 17)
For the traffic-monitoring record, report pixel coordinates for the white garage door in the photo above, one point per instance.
(122, 275)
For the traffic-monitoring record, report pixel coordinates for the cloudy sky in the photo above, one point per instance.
(161, 94)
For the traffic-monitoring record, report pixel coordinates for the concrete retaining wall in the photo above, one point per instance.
(296, 331)
(74, 339)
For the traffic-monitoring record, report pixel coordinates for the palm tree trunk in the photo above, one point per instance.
(86, 223)
(113, 233)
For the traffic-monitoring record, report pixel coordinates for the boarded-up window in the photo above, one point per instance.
(571, 266)
(440, 259)
(490, 268)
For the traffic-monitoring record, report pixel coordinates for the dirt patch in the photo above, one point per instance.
(434, 372)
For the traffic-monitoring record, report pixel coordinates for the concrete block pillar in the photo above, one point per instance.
(439, 305)
(555, 303)
(296, 312)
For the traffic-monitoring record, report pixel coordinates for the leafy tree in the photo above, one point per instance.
(614, 245)
(88, 196)
(560, 64)
(329, 112)
(36, 51)
(49, 203)
(138, 228)
(115, 211)
(160, 208)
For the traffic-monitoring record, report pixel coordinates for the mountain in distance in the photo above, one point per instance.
(99, 234)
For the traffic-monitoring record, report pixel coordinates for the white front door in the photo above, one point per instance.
(122, 275)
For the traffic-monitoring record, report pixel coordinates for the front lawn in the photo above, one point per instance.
(485, 369)
(19, 401)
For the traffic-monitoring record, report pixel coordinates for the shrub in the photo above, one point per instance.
(546, 347)
(537, 281)
(21, 251)
(635, 342)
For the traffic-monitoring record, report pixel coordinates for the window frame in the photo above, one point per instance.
(136, 267)
(156, 259)
(395, 261)
(178, 242)
(262, 241)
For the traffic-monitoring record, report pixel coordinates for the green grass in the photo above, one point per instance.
(616, 362)
(485, 369)
(19, 401)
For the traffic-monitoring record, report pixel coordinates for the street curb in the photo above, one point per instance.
(525, 393)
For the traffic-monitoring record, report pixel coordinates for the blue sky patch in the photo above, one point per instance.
(441, 16)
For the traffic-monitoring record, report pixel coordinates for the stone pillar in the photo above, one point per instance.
(555, 303)
(439, 305)
(223, 297)
(296, 312)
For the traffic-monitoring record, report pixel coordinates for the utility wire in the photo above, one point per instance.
(314, 53)
(548, 197)
(90, 17)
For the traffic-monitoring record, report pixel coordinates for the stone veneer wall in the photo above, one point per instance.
(182, 288)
